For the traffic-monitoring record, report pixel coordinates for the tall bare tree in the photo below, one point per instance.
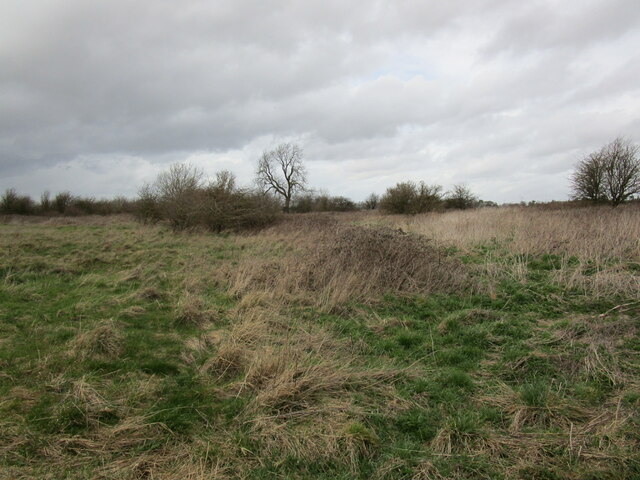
(611, 174)
(281, 171)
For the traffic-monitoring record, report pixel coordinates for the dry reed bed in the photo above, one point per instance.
(593, 233)
(598, 247)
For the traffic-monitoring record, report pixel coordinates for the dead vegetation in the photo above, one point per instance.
(597, 248)
(104, 339)
(335, 264)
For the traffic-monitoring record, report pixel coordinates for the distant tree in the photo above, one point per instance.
(371, 202)
(410, 197)
(587, 180)
(611, 174)
(13, 203)
(621, 170)
(460, 197)
(62, 201)
(45, 201)
(176, 190)
(281, 171)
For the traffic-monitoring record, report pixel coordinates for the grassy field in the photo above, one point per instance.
(493, 344)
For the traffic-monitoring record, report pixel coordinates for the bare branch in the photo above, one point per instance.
(281, 171)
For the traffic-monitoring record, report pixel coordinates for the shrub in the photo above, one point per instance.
(148, 206)
(61, 201)
(223, 206)
(461, 198)
(611, 174)
(45, 202)
(411, 198)
(12, 203)
(322, 203)
(371, 202)
(181, 197)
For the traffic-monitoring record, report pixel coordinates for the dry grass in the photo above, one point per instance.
(588, 233)
(597, 246)
(191, 309)
(264, 381)
(332, 264)
(104, 339)
(300, 385)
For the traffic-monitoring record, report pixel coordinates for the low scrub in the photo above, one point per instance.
(11, 203)
(63, 203)
(411, 198)
(322, 203)
(182, 197)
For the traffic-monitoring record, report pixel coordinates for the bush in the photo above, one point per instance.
(322, 203)
(222, 206)
(61, 201)
(461, 198)
(181, 197)
(611, 174)
(371, 202)
(148, 205)
(13, 204)
(411, 198)
(45, 202)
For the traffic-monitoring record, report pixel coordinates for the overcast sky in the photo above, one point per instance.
(97, 97)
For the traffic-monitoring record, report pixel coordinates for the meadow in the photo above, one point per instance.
(496, 343)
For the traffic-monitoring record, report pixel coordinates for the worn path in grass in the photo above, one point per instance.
(129, 352)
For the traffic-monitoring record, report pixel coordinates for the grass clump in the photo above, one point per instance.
(105, 339)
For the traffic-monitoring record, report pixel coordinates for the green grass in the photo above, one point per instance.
(443, 386)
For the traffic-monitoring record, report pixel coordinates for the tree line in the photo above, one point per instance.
(184, 198)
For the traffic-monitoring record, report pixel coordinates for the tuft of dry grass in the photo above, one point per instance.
(228, 361)
(105, 339)
(191, 309)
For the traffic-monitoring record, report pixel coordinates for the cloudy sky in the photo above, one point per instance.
(98, 97)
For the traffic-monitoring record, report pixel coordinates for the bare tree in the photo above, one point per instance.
(611, 174)
(587, 181)
(621, 170)
(371, 202)
(281, 171)
(176, 190)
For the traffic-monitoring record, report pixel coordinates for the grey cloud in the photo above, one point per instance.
(542, 25)
(376, 91)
